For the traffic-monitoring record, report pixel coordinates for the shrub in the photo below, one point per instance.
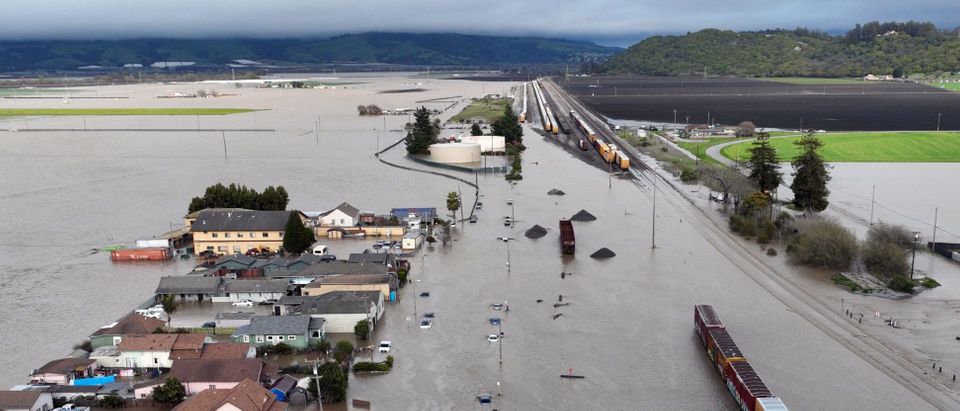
(771, 252)
(362, 329)
(826, 244)
(766, 230)
(743, 225)
(926, 282)
(884, 259)
(402, 276)
(333, 383)
(343, 350)
(170, 392)
(366, 366)
(282, 349)
(843, 281)
(893, 234)
(83, 345)
(111, 401)
(901, 283)
(688, 174)
(389, 360)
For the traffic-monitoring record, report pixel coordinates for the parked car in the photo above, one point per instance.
(428, 315)
(496, 306)
(425, 294)
(493, 338)
(243, 303)
(485, 399)
(385, 346)
(271, 301)
(479, 206)
(209, 324)
(494, 321)
(328, 258)
(426, 323)
(208, 254)
(473, 219)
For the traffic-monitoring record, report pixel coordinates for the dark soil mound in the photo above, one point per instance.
(555, 192)
(535, 232)
(583, 215)
(603, 253)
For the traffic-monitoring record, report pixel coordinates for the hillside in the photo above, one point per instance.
(877, 48)
(387, 48)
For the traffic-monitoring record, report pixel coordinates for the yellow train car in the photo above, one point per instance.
(602, 149)
(622, 161)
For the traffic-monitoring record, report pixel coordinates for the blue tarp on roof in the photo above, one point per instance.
(95, 381)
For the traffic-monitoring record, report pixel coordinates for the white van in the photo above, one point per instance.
(320, 249)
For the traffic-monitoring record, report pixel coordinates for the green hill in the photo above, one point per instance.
(878, 48)
(388, 48)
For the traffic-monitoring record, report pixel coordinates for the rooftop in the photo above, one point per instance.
(276, 325)
(132, 323)
(237, 220)
(257, 286)
(188, 284)
(162, 342)
(238, 315)
(229, 370)
(225, 351)
(64, 365)
(341, 267)
(344, 208)
(248, 395)
(13, 400)
(340, 302)
(351, 279)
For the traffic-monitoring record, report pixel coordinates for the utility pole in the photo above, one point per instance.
(653, 229)
(873, 194)
(938, 121)
(224, 137)
(913, 259)
(936, 210)
(316, 374)
(674, 116)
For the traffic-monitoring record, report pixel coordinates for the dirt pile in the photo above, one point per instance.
(583, 215)
(535, 232)
(603, 253)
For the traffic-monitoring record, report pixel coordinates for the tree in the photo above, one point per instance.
(824, 243)
(884, 259)
(764, 164)
(810, 176)
(111, 401)
(475, 130)
(733, 184)
(169, 303)
(508, 126)
(362, 329)
(297, 237)
(745, 129)
(333, 383)
(170, 392)
(342, 350)
(422, 134)
(453, 202)
(234, 196)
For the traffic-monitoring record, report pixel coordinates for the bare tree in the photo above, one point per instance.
(734, 185)
(746, 129)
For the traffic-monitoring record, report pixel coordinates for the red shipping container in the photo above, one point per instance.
(722, 350)
(141, 254)
(704, 318)
(745, 385)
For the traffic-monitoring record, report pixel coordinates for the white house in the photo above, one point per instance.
(154, 350)
(345, 215)
(341, 310)
(254, 290)
(26, 401)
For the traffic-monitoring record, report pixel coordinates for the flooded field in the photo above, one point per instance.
(836, 107)
(628, 328)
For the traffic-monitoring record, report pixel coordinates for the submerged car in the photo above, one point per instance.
(243, 303)
(384, 346)
(426, 323)
(493, 338)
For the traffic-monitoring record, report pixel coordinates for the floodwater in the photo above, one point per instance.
(628, 328)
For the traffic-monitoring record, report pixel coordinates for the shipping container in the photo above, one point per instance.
(704, 318)
(568, 241)
(722, 350)
(141, 254)
(771, 404)
(153, 243)
(745, 385)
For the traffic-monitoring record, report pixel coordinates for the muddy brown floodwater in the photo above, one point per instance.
(628, 328)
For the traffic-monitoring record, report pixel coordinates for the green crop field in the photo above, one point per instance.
(948, 86)
(5, 112)
(894, 147)
(487, 109)
(813, 81)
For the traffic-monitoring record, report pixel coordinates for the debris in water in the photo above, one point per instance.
(539, 301)
(560, 298)
(555, 316)
(558, 305)
(563, 275)
(535, 232)
(603, 253)
(583, 215)
(555, 192)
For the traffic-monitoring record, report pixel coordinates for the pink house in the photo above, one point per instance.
(197, 375)
(63, 371)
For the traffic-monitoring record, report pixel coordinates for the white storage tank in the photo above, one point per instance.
(488, 144)
(455, 153)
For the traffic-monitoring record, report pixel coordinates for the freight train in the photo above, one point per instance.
(608, 152)
(523, 108)
(546, 116)
(741, 379)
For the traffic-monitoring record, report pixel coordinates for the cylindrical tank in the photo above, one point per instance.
(455, 153)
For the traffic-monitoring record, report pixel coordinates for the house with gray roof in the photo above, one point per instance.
(341, 267)
(344, 215)
(341, 310)
(234, 231)
(297, 331)
(188, 287)
(25, 401)
(256, 290)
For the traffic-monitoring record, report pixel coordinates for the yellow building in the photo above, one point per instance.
(235, 231)
(349, 282)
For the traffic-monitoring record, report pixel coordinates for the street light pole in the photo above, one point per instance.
(938, 121)
(913, 259)
(500, 341)
(653, 229)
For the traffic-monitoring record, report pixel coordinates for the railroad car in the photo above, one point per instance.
(745, 385)
(771, 404)
(704, 319)
(722, 350)
(622, 161)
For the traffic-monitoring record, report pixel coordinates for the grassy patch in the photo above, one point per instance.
(843, 281)
(813, 81)
(895, 147)
(700, 149)
(928, 283)
(487, 109)
(947, 86)
(121, 111)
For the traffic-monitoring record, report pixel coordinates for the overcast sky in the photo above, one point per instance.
(610, 22)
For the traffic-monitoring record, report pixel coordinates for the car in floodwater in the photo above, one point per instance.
(496, 306)
(426, 323)
(494, 320)
(385, 346)
(243, 303)
(493, 338)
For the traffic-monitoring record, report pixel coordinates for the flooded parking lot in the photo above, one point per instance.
(628, 328)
